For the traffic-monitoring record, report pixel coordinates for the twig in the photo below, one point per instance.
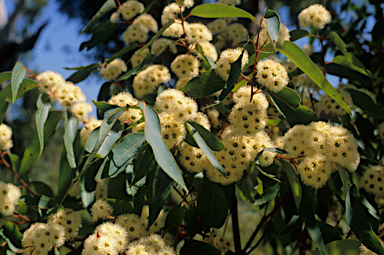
(15, 174)
(235, 226)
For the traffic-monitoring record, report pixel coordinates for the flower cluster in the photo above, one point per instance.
(146, 81)
(87, 129)
(69, 220)
(113, 69)
(314, 16)
(126, 99)
(324, 146)
(220, 242)
(9, 196)
(272, 75)
(5, 137)
(65, 93)
(373, 180)
(328, 105)
(40, 238)
(223, 65)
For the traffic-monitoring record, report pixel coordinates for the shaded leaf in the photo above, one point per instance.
(220, 11)
(82, 73)
(357, 220)
(106, 108)
(204, 85)
(268, 194)
(342, 247)
(344, 178)
(153, 136)
(213, 208)
(40, 188)
(110, 140)
(100, 33)
(158, 194)
(12, 231)
(287, 101)
(143, 163)
(66, 175)
(297, 34)
(293, 181)
(366, 103)
(5, 76)
(195, 247)
(292, 225)
(105, 8)
(18, 74)
(233, 77)
(31, 153)
(302, 61)
(206, 61)
(307, 214)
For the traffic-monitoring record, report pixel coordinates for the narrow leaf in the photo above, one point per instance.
(204, 148)
(107, 6)
(302, 61)
(233, 77)
(83, 73)
(307, 214)
(110, 140)
(287, 101)
(100, 33)
(220, 11)
(293, 181)
(153, 136)
(273, 25)
(43, 106)
(204, 85)
(148, 59)
(344, 178)
(212, 141)
(18, 74)
(357, 220)
(366, 103)
(71, 125)
(293, 224)
(269, 194)
(5, 76)
(206, 61)
(160, 189)
(124, 152)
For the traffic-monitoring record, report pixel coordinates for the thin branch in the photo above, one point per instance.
(15, 174)
(235, 226)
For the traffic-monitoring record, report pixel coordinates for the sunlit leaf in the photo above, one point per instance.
(204, 85)
(18, 74)
(220, 11)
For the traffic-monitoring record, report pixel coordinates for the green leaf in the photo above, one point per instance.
(307, 214)
(204, 85)
(233, 77)
(110, 140)
(82, 73)
(366, 103)
(293, 224)
(5, 76)
(107, 6)
(124, 151)
(148, 59)
(298, 34)
(195, 247)
(353, 76)
(357, 220)
(104, 95)
(43, 106)
(220, 11)
(104, 130)
(273, 25)
(71, 125)
(349, 59)
(341, 247)
(213, 208)
(206, 61)
(287, 101)
(159, 192)
(344, 178)
(66, 175)
(143, 163)
(266, 52)
(268, 194)
(106, 108)
(125, 50)
(174, 219)
(12, 232)
(204, 147)
(212, 141)
(293, 181)
(100, 33)
(31, 153)
(302, 61)
(153, 136)
(18, 74)
(40, 188)
(92, 139)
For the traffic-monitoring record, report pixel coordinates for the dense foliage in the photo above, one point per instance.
(178, 144)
